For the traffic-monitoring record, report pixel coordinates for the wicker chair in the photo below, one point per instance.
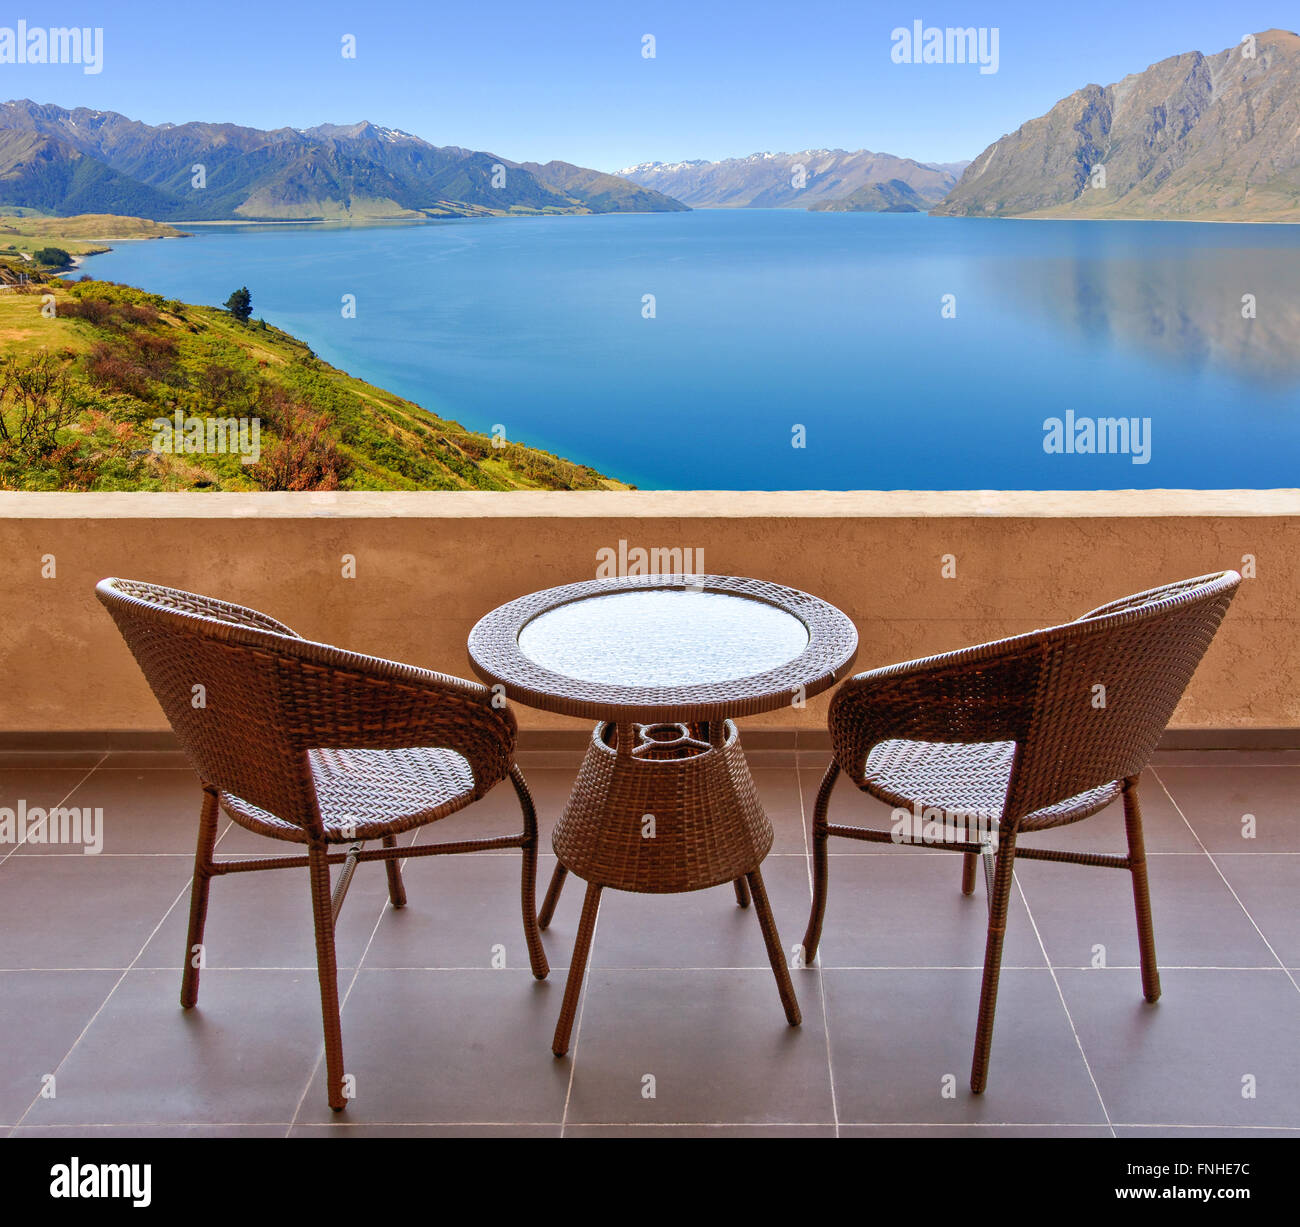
(311, 744)
(1016, 736)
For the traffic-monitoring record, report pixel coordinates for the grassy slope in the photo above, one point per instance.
(387, 443)
(85, 234)
(1264, 205)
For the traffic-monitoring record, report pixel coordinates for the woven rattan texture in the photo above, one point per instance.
(832, 646)
(1040, 692)
(957, 778)
(270, 698)
(663, 826)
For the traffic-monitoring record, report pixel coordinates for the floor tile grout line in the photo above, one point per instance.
(683, 1124)
(1272, 969)
(58, 805)
(821, 979)
(576, 1033)
(90, 1022)
(576, 1037)
(343, 1001)
(136, 965)
(1231, 890)
(1065, 1006)
(124, 971)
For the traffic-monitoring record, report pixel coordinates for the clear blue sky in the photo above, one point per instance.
(540, 80)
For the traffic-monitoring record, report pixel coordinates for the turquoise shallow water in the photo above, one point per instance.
(766, 321)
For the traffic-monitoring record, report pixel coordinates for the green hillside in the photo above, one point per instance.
(84, 378)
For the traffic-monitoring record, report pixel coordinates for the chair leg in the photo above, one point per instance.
(327, 972)
(1137, 857)
(775, 955)
(742, 892)
(396, 888)
(577, 968)
(813, 935)
(969, 862)
(552, 896)
(199, 897)
(999, 904)
(528, 882)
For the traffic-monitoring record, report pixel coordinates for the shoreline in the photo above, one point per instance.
(1177, 221)
(457, 217)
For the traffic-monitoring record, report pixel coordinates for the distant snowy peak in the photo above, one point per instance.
(808, 178)
(629, 172)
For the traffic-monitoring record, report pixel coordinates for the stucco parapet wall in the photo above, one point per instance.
(406, 575)
(656, 504)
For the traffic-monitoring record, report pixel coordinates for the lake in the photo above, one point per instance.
(901, 351)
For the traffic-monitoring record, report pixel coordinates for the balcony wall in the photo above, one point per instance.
(427, 566)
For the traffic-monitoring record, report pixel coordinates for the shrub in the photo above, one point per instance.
(37, 400)
(54, 257)
(305, 457)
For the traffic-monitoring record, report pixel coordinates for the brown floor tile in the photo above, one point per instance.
(1163, 828)
(242, 1056)
(449, 1053)
(1242, 1133)
(699, 1131)
(907, 910)
(703, 928)
(1268, 885)
(50, 760)
(84, 911)
(975, 1131)
(37, 786)
(41, 1015)
(434, 1047)
(1227, 758)
(780, 794)
(344, 1129)
(716, 1042)
(459, 909)
(901, 1045)
(1196, 920)
(146, 760)
(1215, 799)
(143, 812)
(264, 919)
(1182, 1060)
(151, 1131)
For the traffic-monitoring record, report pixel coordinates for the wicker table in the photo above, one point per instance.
(664, 801)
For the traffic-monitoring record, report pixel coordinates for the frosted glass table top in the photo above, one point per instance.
(663, 637)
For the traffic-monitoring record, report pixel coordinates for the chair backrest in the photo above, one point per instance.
(1086, 702)
(247, 698)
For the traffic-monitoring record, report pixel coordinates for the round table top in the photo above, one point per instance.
(663, 648)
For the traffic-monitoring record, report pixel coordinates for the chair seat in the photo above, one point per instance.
(365, 794)
(968, 778)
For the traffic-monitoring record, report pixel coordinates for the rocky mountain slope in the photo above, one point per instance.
(1193, 137)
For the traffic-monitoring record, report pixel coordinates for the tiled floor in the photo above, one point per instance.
(681, 1030)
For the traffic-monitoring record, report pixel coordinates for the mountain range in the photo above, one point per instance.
(1193, 137)
(812, 178)
(82, 161)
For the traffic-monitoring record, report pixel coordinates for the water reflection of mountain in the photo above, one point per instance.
(1184, 309)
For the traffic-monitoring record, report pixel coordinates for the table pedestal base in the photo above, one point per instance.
(662, 809)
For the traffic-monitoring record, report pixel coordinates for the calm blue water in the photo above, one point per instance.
(770, 319)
